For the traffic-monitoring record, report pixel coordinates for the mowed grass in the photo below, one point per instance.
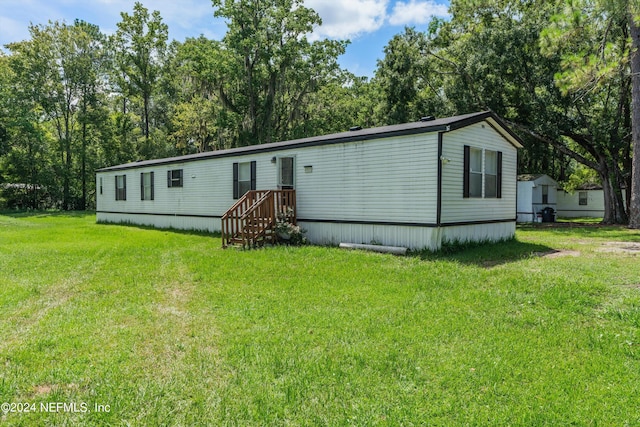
(166, 328)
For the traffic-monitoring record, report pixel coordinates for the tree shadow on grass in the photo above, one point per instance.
(486, 254)
(587, 231)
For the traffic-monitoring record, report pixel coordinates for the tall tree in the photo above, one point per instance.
(489, 56)
(340, 104)
(270, 67)
(50, 65)
(592, 39)
(90, 69)
(409, 85)
(634, 29)
(199, 122)
(25, 163)
(140, 45)
(59, 86)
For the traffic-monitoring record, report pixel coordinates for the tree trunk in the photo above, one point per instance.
(634, 206)
(83, 202)
(253, 119)
(146, 117)
(614, 212)
(66, 197)
(33, 180)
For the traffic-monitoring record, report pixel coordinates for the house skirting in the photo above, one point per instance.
(179, 222)
(577, 213)
(333, 232)
(412, 236)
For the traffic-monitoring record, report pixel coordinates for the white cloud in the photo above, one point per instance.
(342, 19)
(183, 13)
(416, 12)
(185, 18)
(347, 19)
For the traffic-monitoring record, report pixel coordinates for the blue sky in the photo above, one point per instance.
(369, 24)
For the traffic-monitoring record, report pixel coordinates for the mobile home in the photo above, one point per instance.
(586, 201)
(415, 185)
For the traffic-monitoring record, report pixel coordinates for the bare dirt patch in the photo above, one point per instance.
(43, 389)
(571, 225)
(554, 253)
(632, 286)
(620, 247)
(557, 254)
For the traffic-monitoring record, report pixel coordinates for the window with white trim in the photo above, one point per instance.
(583, 198)
(490, 174)
(482, 173)
(285, 172)
(146, 186)
(475, 173)
(244, 178)
(174, 178)
(121, 187)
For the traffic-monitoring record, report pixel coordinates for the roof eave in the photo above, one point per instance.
(440, 125)
(280, 146)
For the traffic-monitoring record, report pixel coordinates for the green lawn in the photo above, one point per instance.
(167, 328)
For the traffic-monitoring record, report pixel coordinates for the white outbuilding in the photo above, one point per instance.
(415, 185)
(535, 194)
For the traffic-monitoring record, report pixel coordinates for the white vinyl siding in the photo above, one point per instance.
(524, 205)
(380, 189)
(386, 180)
(455, 207)
(569, 204)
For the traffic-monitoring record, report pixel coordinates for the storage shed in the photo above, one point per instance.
(415, 185)
(535, 193)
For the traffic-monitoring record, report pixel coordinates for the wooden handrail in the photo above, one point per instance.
(255, 213)
(230, 221)
(258, 219)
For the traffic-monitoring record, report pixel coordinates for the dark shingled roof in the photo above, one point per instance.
(437, 125)
(529, 177)
(589, 186)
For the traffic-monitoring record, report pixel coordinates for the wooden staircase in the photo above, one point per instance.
(251, 221)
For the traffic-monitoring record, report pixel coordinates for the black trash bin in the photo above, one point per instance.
(548, 215)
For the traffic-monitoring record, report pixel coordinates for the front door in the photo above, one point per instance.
(286, 173)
